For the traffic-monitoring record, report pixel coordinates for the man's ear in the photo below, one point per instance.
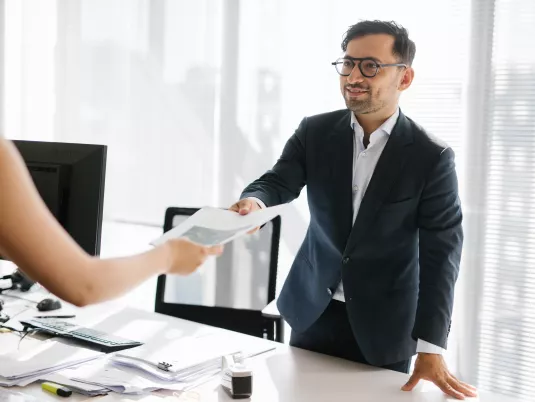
(406, 79)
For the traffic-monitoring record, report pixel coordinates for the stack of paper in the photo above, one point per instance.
(125, 380)
(190, 357)
(179, 359)
(177, 365)
(37, 358)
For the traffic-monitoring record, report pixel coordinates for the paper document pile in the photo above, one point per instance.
(124, 380)
(214, 226)
(179, 360)
(37, 358)
(178, 365)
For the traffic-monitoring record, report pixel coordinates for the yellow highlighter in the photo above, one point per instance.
(56, 389)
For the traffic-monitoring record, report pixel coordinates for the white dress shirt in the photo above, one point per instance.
(364, 162)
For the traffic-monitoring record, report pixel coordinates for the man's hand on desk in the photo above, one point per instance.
(432, 367)
(245, 206)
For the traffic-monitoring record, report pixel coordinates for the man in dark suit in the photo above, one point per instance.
(374, 278)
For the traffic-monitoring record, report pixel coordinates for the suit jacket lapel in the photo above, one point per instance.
(340, 149)
(388, 168)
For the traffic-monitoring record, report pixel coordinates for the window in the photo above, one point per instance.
(503, 320)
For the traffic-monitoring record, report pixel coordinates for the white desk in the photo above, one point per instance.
(284, 375)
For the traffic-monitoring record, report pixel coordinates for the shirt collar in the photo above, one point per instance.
(386, 127)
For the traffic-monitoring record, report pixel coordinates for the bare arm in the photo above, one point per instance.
(36, 242)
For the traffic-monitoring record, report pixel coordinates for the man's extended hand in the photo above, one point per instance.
(245, 206)
(433, 368)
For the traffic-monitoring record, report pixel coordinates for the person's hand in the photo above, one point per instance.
(245, 206)
(186, 256)
(432, 367)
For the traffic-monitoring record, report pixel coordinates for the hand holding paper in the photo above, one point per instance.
(213, 226)
(245, 206)
(187, 256)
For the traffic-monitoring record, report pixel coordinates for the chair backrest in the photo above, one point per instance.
(230, 291)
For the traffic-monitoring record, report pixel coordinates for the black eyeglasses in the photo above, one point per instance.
(367, 66)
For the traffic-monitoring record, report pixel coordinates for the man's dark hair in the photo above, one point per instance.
(404, 48)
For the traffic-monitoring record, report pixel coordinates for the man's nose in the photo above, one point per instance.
(355, 76)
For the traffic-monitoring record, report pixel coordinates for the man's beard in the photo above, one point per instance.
(359, 106)
(363, 106)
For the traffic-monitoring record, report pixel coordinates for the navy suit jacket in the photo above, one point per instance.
(399, 261)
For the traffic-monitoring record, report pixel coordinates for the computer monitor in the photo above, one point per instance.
(70, 179)
(239, 279)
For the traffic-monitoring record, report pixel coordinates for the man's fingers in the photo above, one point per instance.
(462, 389)
(245, 207)
(466, 389)
(242, 207)
(469, 386)
(448, 389)
(235, 207)
(413, 381)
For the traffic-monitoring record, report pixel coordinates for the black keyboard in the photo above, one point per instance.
(105, 342)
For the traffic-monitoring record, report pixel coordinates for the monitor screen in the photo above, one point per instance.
(70, 179)
(237, 279)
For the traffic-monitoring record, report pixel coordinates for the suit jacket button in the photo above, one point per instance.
(345, 260)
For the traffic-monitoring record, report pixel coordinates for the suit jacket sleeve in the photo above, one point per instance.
(441, 238)
(284, 182)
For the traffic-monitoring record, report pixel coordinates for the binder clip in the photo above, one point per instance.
(164, 366)
(236, 377)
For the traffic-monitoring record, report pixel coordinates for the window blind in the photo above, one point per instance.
(506, 358)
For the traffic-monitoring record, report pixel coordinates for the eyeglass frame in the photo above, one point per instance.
(360, 60)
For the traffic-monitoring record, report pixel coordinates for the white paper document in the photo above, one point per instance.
(116, 380)
(190, 360)
(21, 367)
(185, 357)
(126, 380)
(213, 226)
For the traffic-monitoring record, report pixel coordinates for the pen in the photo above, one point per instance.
(56, 389)
(55, 316)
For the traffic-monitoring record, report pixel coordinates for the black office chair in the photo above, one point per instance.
(230, 291)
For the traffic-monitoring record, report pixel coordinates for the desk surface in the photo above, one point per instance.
(284, 375)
